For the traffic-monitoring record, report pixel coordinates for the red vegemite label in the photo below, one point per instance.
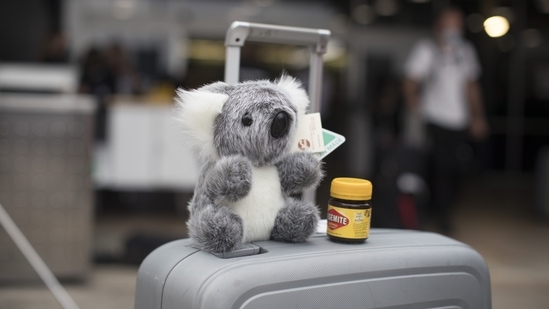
(336, 219)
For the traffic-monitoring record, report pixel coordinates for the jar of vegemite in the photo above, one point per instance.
(349, 210)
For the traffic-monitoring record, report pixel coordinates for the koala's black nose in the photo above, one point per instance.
(280, 125)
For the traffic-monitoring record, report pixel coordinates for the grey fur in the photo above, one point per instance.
(261, 100)
(213, 225)
(299, 171)
(296, 221)
(229, 180)
(215, 228)
(217, 87)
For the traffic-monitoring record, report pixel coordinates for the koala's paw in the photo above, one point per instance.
(215, 229)
(296, 221)
(299, 171)
(230, 179)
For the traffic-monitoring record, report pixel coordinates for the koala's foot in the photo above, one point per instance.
(296, 221)
(230, 179)
(215, 229)
(299, 171)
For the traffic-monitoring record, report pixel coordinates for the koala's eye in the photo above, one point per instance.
(247, 120)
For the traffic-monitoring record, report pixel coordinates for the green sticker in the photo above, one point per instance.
(331, 142)
(327, 137)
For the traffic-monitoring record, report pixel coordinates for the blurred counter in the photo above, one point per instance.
(144, 150)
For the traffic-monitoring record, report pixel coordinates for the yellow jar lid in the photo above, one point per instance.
(355, 189)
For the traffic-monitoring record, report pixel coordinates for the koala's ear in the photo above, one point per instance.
(217, 87)
(295, 90)
(197, 110)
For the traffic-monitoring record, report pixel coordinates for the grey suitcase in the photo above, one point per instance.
(393, 269)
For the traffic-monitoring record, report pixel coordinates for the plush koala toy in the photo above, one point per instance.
(243, 135)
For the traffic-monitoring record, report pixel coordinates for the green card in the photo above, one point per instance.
(331, 142)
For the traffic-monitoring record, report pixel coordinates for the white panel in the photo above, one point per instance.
(130, 138)
(57, 78)
(178, 167)
(145, 151)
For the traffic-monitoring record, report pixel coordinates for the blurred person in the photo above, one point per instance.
(122, 68)
(96, 76)
(441, 85)
(98, 80)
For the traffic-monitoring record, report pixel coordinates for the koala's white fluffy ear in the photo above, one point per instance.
(296, 92)
(197, 110)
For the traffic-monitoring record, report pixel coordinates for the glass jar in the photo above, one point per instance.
(349, 210)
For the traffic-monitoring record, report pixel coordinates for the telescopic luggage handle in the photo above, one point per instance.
(316, 39)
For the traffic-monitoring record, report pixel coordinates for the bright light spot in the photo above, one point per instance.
(496, 26)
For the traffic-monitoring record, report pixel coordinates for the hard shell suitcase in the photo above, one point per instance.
(392, 269)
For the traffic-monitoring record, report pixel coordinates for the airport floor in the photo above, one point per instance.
(495, 216)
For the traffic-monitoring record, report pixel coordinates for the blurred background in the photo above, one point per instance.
(95, 173)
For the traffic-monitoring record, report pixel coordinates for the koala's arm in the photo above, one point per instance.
(299, 171)
(229, 179)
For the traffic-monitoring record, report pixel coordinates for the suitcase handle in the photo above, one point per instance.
(316, 39)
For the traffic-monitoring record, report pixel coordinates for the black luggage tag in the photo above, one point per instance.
(242, 250)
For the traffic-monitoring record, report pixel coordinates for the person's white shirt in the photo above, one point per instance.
(444, 75)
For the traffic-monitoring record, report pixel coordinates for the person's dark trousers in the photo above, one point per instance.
(445, 165)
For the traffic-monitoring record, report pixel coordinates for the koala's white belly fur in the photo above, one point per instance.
(260, 207)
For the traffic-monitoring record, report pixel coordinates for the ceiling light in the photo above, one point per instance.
(496, 26)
